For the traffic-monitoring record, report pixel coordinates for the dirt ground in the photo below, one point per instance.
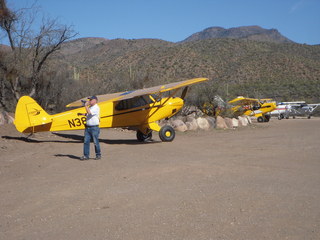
(257, 182)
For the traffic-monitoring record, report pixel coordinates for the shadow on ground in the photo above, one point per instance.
(74, 138)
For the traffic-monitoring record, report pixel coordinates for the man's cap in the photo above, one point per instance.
(93, 97)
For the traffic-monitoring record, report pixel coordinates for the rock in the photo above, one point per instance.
(179, 125)
(243, 122)
(220, 123)
(190, 118)
(192, 124)
(249, 119)
(1, 119)
(5, 118)
(228, 122)
(211, 121)
(203, 123)
(10, 119)
(181, 128)
(235, 122)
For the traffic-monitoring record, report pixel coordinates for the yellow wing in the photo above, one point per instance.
(131, 94)
(243, 101)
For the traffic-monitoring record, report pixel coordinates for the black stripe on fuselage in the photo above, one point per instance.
(131, 111)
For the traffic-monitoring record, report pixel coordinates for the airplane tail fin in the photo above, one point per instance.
(30, 117)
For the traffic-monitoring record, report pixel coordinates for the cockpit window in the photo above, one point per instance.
(134, 102)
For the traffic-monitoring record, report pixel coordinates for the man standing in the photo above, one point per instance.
(92, 129)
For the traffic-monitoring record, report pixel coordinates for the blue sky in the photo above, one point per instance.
(175, 20)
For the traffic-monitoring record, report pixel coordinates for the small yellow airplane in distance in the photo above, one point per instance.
(260, 108)
(138, 109)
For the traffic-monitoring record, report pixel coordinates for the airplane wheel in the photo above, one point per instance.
(167, 134)
(143, 137)
(267, 118)
(260, 119)
(309, 116)
(279, 117)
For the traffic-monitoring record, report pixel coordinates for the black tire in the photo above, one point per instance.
(143, 137)
(167, 133)
(260, 119)
(267, 118)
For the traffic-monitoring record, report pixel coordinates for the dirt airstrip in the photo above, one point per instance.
(257, 182)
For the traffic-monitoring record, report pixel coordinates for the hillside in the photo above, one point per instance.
(254, 33)
(283, 71)
(257, 69)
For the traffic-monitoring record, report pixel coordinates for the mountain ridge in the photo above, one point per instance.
(255, 33)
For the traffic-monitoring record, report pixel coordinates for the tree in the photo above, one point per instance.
(30, 50)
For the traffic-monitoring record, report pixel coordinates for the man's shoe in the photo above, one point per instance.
(97, 158)
(84, 158)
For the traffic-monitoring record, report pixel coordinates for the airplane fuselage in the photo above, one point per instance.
(125, 113)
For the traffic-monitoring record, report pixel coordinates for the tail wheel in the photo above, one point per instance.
(167, 134)
(143, 137)
(260, 119)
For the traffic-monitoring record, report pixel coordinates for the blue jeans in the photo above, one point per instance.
(91, 133)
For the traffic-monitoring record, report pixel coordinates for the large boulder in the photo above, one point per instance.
(235, 122)
(228, 121)
(192, 124)
(203, 123)
(179, 125)
(220, 123)
(243, 121)
(211, 121)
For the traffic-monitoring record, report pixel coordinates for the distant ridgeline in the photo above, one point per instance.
(254, 33)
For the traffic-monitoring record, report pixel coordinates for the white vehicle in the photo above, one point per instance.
(287, 109)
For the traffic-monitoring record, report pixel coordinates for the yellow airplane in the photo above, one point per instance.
(138, 109)
(260, 108)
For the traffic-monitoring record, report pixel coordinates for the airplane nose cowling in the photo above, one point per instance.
(176, 104)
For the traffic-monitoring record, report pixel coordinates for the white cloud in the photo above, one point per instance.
(297, 5)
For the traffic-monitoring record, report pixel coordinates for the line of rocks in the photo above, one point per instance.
(192, 123)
